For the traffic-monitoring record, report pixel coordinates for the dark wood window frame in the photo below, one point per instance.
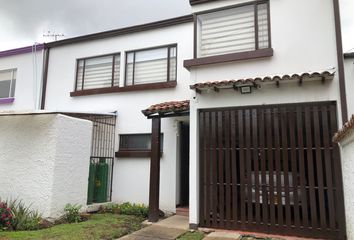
(82, 90)
(237, 56)
(134, 152)
(168, 46)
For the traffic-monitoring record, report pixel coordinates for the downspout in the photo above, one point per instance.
(340, 58)
(45, 75)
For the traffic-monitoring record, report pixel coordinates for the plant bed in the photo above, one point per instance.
(98, 226)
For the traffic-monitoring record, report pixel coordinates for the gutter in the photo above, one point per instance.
(340, 58)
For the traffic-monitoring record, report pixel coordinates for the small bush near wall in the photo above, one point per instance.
(72, 214)
(127, 209)
(15, 215)
(6, 217)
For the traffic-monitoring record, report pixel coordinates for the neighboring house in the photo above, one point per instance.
(20, 78)
(244, 96)
(349, 77)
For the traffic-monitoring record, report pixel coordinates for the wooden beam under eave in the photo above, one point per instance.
(154, 192)
(197, 90)
(216, 89)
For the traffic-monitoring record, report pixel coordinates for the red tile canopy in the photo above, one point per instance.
(173, 108)
(277, 79)
(346, 129)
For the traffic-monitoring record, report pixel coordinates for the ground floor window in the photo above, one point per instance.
(135, 145)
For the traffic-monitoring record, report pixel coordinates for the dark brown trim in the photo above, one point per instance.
(195, 2)
(269, 27)
(168, 63)
(151, 48)
(261, 53)
(340, 58)
(98, 56)
(232, 6)
(45, 76)
(133, 154)
(124, 31)
(348, 55)
(140, 87)
(154, 190)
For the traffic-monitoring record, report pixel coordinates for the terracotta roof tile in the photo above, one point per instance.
(167, 107)
(346, 129)
(258, 80)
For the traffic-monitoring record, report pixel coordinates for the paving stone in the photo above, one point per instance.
(219, 235)
(176, 221)
(155, 232)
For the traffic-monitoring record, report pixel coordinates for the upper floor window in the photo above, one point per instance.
(7, 83)
(154, 65)
(98, 72)
(232, 30)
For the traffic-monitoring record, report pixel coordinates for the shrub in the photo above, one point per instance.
(127, 209)
(6, 217)
(23, 218)
(72, 214)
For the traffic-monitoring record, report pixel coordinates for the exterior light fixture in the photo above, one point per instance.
(246, 89)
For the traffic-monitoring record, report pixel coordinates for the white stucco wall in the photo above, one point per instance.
(131, 175)
(349, 83)
(28, 80)
(300, 44)
(44, 161)
(347, 152)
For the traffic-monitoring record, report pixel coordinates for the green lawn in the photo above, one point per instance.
(99, 226)
(191, 236)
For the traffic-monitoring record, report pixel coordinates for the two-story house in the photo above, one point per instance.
(230, 111)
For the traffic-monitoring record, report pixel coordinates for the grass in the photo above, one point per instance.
(99, 226)
(191, 236)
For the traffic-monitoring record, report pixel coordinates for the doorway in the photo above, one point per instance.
(182, 206)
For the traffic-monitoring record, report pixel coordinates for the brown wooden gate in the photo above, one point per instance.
(272, 169)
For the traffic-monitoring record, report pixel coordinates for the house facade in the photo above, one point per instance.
(229, 111)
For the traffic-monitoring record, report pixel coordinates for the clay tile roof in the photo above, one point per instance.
(258, 80)
(346, 129)
(167, 108)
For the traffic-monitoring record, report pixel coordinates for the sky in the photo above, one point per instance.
(23, 22)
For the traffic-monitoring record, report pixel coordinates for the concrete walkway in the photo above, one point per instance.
(169, 228)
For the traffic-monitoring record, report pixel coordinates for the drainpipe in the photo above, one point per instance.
(44, 75)
(340, 58)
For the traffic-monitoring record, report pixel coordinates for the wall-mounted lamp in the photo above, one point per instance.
(246, 89)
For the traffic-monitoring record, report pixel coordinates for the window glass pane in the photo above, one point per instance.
(79, 74)
(7, 83)
(5, 75)
(232, 30)
(98, 72)
(13, 86)
(150, 66)
(263, 26)
(116, 70)
(5, 88)
(129, 69)
(173, 62)
(136, 142)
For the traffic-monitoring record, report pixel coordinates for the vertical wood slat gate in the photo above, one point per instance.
(271, 169)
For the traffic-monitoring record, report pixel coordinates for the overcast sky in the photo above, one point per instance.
(23, 22)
